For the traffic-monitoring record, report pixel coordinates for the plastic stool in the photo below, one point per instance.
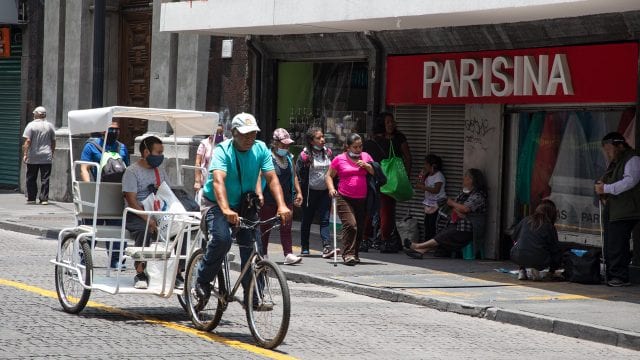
(468, 252)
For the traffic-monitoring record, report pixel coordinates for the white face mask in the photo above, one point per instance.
(466, 190)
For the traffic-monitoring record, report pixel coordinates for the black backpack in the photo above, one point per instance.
(583, 268)
(112, 164)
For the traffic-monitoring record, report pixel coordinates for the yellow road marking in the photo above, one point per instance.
(185, 329)
(559, 297)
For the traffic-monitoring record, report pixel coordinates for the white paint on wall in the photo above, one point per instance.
(225, 17)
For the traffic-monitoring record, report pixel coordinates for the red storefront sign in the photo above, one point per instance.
(571, 74)
(5, 43)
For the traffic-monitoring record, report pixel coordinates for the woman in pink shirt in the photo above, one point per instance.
(352, 168)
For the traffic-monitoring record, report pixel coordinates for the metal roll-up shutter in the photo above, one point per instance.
(413, 122)
(437, 129)
(446, 139)
(10, 116)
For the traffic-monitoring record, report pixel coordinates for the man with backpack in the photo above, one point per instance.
(113, 162)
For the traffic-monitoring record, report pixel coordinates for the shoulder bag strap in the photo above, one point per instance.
(238, 169)
(95, 143)
(157, 177)
(392, 152)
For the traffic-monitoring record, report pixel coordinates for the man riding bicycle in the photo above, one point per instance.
(235, 166)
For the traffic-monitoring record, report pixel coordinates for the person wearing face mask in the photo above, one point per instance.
(311, 167)
(92, 151)
(283, 165)
(137, 183)
(472, 201)
(203, 156)
(235, 167)
(351, 167)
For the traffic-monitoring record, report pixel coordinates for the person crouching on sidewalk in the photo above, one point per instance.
(537, 246)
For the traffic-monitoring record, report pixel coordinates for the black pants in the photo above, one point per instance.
(617, 254)
(430, 225)
(32, 181)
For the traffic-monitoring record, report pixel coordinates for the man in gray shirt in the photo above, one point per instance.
(37, 153)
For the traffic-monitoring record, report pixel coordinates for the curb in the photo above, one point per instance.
(575, 329)
(29, 229)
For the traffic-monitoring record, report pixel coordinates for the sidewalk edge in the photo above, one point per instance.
(575, 329)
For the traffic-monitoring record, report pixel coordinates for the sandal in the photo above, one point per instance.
(413, 253)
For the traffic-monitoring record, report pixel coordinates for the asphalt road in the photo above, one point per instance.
(326, 323)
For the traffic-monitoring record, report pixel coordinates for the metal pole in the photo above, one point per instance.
(98, 52)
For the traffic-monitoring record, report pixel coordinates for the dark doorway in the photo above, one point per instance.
(135, 64)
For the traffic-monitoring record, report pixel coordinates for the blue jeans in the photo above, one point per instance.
(219, 243)
(318, 202)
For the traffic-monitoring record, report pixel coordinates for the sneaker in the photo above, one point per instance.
(264, 306)
(534, 274)
(304, 252)
(291, 259)
(45, 202)
(522, 274)
(141, 281)
(179, 284)
(615, 282)
(201, 292)
(350, 260)
(328, 252)
(388, 248)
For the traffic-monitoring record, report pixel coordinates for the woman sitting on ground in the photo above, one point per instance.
(459, 230)
(537, 246)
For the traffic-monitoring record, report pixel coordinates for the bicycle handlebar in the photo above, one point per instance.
(251, 224)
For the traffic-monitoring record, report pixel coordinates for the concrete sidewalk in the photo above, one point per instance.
(477, 288)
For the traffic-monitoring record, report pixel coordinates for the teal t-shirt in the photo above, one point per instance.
(251, 162)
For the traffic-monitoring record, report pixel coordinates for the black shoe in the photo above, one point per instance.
(376, 244)
(179, 284)
(388, 248)
(364, 246)
(407, 243)
(202, 292)
(615, 282)
(413, 254)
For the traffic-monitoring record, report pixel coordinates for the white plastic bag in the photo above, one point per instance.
(408, 229)
(165, 200)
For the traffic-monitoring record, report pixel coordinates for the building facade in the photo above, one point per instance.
(522, 90)
(142, 67)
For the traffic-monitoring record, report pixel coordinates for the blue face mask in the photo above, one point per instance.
(282, 152)
(155, 160)
(354, 155)
(317, 148)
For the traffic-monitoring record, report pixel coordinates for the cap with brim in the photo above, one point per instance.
(40, 110)
(282, 136)
(244, 123)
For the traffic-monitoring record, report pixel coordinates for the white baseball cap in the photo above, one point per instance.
(245, 123)
(40, 110)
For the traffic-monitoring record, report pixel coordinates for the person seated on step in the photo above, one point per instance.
(472, 201)
(536, 242)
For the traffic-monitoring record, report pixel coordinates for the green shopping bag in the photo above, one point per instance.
(398, 185)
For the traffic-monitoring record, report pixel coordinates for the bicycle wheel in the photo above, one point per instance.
(268, 305)
(208, 316)
(72, 295)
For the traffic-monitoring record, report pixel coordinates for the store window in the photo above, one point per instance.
(329, 95)
(560, 156)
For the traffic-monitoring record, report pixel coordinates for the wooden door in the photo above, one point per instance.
(135, 64)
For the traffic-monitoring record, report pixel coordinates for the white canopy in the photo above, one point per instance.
(183, 122)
